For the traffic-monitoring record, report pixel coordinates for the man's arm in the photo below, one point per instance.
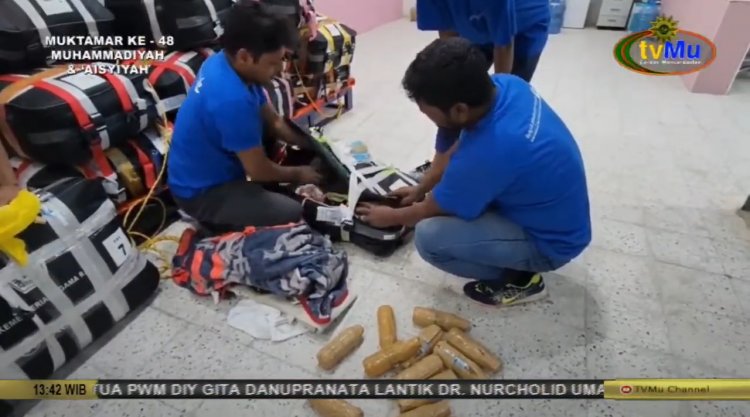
(261, 169)
(411, 215)
(502, 23)
(241, 126)
(437, 168)
(7, 177)
(503, 59)
(279, 128)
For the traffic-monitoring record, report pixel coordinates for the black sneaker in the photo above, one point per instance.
(506, 295)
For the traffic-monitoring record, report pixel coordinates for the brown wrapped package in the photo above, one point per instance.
(424, 317)
(340, 347)
(335, 408)
(425, 368)
(386, 326)
(428, 337)
(412, 403)
(386, 359)
(474, 350)
(439, 409)
(464, 367)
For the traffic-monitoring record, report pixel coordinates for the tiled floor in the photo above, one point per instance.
(664, 290)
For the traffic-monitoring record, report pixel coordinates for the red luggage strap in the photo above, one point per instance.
(149, 171)
(88, 118)
(129, 99)
(174, 62)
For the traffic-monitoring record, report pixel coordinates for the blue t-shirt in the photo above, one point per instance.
(488, 22)
(220, 117)
(522, 161)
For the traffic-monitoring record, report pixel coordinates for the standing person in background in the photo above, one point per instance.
(511, 34)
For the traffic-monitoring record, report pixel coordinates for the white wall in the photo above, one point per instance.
(408, 4)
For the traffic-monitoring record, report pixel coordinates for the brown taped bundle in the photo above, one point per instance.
(425, 368)
(424, 317)
(474, 350)
(340, 347)
(335, 408)
(439, 409)
(460, 364)
(384, 360)
(386, 326)
(410, 404)
(428, 337)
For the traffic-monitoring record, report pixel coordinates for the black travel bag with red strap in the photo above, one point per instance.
(57, 118)
(27, 25)
(174, 75)
(171, 24)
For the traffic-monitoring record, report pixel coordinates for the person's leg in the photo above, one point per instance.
(492, 250)
(240, 204)
(527, 49)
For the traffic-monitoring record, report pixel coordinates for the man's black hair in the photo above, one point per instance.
(250, 26)
(447, 72)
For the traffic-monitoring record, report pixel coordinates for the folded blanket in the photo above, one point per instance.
(290, 261)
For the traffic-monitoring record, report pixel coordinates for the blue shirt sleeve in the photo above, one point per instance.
(434, 15)
(239, 123)
(471, 182)
(501, 19)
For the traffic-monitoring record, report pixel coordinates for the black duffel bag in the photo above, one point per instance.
(62, 119)
(83, 275)
(28, 26)
(171, 24)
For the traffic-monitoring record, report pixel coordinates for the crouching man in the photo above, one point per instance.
(217, 141)
(511, 202)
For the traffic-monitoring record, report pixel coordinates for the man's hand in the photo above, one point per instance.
(408, 195)
(377, 215)
(308, 175)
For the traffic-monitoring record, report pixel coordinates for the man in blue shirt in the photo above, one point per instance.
(512, 201)
(217, 141)
(511, 33)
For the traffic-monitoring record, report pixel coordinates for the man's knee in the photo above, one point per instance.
(428, 236)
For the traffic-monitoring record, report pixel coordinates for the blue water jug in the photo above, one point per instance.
(557, 13)
(644, 13)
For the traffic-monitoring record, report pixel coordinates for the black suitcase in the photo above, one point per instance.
(171, 24)
(83, 275)
(332, 47)
(36, 175)
(173, 76)
(332, 214)
(68, 119)
(28, 26)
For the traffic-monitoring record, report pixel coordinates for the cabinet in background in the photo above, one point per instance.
(614, 14)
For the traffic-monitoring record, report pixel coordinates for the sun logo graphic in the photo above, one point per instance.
(665, 49)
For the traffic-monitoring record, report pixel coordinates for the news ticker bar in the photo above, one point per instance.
(620, 389)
